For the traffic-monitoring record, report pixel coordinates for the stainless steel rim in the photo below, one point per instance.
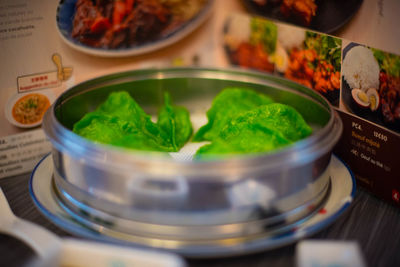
(304, 151)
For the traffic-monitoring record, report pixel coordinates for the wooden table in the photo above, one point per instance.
(374, 224)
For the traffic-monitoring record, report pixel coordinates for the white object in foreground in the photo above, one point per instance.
(310, 253)
(55, 251)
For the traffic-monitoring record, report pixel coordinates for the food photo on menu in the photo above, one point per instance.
(26, 108)
(123, 28)
(311, 59)
(371, 85)
(308, 58)
(325, 16)
(250, 42)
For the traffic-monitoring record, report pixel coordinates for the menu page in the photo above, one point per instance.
(348, 51)
(27, 70)
(360, 77)
(40, 60)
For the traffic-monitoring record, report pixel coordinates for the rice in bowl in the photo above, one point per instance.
(360, 68)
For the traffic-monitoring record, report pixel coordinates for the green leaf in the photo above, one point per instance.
(226, 105)
(175, 121)
(263, 129)
(120, 121)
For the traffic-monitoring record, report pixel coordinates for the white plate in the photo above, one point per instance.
(13, 99)
(65, 14)
(339, 199)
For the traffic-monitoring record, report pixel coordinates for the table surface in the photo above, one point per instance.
(371, 222)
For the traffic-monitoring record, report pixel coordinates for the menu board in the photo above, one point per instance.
(350, 55)
(361, 81)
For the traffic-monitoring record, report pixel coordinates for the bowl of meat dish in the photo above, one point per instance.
(126, 27)
(178, 156)
(321, 15)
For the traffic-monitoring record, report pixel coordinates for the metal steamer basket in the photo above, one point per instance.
(159, 200)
